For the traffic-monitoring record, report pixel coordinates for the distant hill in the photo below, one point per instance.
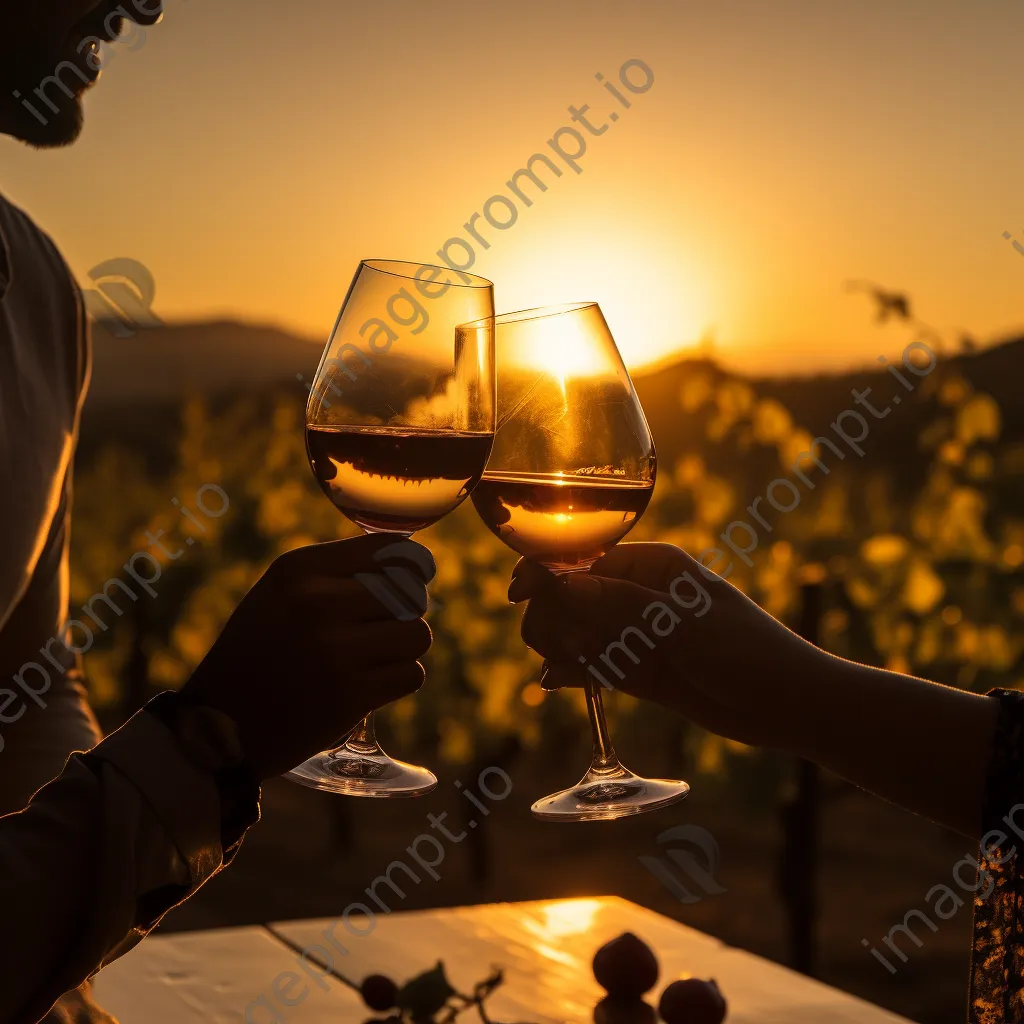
(155, 369)
(816, 401)
(168, 363)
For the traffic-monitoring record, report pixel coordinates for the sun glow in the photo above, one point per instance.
(570, 917)
(563, 349)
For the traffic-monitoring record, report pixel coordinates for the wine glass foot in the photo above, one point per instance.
(373, 774)
(604, 796)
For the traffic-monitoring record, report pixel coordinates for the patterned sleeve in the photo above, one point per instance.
(997, 960)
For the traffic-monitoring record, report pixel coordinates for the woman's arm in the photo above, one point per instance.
(656, 625)
(916, 743)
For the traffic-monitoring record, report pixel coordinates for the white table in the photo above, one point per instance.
(545, 948)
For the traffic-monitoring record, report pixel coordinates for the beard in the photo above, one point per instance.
(41, 100)
(41, 88)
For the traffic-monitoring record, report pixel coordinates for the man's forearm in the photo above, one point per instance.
(915, 743)
(123, 834)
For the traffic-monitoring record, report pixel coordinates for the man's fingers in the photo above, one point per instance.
(367, 554)
(371, 644)
(368, 597)
(386, 683)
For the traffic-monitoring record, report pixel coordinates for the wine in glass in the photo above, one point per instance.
(399, 426)
(571, 471)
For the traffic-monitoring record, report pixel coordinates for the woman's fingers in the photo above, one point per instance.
(528, 580)
(580, 610)
(647, 563)
(546, 627)
(559, 675)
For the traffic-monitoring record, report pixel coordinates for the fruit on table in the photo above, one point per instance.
(379, 992)
(624, 1010)
(626, 966)
(692, 1001)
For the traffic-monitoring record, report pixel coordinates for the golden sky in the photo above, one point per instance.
(250, 152)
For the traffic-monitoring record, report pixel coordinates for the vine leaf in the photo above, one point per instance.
(427, 993)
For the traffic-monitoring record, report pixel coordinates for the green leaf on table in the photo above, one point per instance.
(427, 993)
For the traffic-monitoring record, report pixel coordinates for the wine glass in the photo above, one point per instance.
(399, 426)
(571, 471)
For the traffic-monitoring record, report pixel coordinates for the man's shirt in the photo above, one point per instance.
(131, 829)
(44, 369)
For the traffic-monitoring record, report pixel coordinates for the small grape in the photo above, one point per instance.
(379, 992)
(626, 966)
(624, 1010)
(692, 1001)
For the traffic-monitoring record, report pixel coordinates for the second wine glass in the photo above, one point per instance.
(571, 472)
(399, 426)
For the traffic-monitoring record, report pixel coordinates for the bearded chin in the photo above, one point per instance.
(54, 130)
(46, 114)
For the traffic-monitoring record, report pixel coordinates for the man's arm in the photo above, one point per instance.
(138, 823)
(99, 855)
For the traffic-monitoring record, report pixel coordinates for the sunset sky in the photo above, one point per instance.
(250, 152)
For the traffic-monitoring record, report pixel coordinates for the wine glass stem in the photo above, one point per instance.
(363, 737)
(605, 759)
(604, 752)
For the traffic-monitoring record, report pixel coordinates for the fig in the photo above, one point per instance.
(692, 1001)
(624, 1010)
(626, 967)
(379, 992)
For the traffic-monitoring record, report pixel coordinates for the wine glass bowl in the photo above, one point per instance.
(399, 425)
(571, 471)
(395, 481)
(565, 523)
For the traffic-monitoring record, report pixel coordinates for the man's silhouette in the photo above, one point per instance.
(52, 51)
(136, 824)
(51, 56)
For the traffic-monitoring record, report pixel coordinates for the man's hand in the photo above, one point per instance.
(311, 650)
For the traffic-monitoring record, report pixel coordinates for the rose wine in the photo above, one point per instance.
(564, 522)
(396, 480)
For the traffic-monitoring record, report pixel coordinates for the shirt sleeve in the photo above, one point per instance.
(997, 958)
(101, 853)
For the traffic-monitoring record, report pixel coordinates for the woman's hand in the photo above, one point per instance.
(648, 620)
(311, 649)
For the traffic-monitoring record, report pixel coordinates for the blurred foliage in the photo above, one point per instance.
(932, 585)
